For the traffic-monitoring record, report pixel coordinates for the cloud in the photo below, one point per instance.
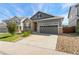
(16, 9)
(33, 9)
(68, 5)
(3, 13)
(40, 6)
(8, 12)
(65, 20)
(19, 11)
(65, 15)
(37, 7)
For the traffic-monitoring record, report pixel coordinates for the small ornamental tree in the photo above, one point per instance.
(77, 27)
(12, 27)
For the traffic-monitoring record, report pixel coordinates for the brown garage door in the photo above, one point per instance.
(49, 29)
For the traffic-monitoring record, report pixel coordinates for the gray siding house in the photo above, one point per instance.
(73, 15)
(45, 23)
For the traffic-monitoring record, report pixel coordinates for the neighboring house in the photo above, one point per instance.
(19, 22)
(45, 23)
(3, 28)
(73, 15)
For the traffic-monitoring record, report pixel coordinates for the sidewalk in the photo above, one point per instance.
(7, 48)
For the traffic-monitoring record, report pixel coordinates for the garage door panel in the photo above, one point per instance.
(49, 29)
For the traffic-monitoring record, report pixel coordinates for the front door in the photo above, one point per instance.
(35, 26)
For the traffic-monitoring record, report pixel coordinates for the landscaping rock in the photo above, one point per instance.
(68, 43)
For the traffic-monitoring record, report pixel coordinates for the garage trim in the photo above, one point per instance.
(49, 29)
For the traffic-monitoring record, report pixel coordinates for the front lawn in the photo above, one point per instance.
(8, 37)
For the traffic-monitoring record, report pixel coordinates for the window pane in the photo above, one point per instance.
(78, 11)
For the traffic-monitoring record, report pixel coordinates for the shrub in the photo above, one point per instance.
(11, 27)
(77, 27)
(27, 33)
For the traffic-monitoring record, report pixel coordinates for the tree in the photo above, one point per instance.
(77, 26)
(12, 27)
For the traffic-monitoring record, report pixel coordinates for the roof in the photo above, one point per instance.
(41, 15)
(77, 5)
(25, 19)
(69, 12)
(16, 19)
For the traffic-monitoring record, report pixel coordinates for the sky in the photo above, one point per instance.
(8, 10)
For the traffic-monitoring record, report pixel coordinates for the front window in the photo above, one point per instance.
(28, 25)
(39, 15)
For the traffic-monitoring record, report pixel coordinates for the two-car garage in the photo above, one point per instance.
(53, 29)
(49, 26)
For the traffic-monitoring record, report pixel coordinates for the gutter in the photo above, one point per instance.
(50, 18)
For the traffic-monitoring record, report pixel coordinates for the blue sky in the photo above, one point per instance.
(28, 9)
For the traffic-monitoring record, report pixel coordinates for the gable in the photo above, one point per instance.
(26, 20)
(40, 15)
(16, 19)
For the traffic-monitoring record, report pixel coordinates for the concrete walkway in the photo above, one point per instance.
(32, 45)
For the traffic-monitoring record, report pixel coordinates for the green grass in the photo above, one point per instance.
(9, 38)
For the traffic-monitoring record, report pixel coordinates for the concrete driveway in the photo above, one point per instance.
(35, 44)
(40, 40)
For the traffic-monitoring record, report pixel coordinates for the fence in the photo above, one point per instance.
(68, 29)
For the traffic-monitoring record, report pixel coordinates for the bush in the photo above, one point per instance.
(25, 34)
(11, 27)
(77, 27)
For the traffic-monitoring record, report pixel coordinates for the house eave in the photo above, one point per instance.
(53, 18)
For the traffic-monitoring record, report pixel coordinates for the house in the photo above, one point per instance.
(45, 23)
(18, 21)
(3, 28)
(73, 16)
